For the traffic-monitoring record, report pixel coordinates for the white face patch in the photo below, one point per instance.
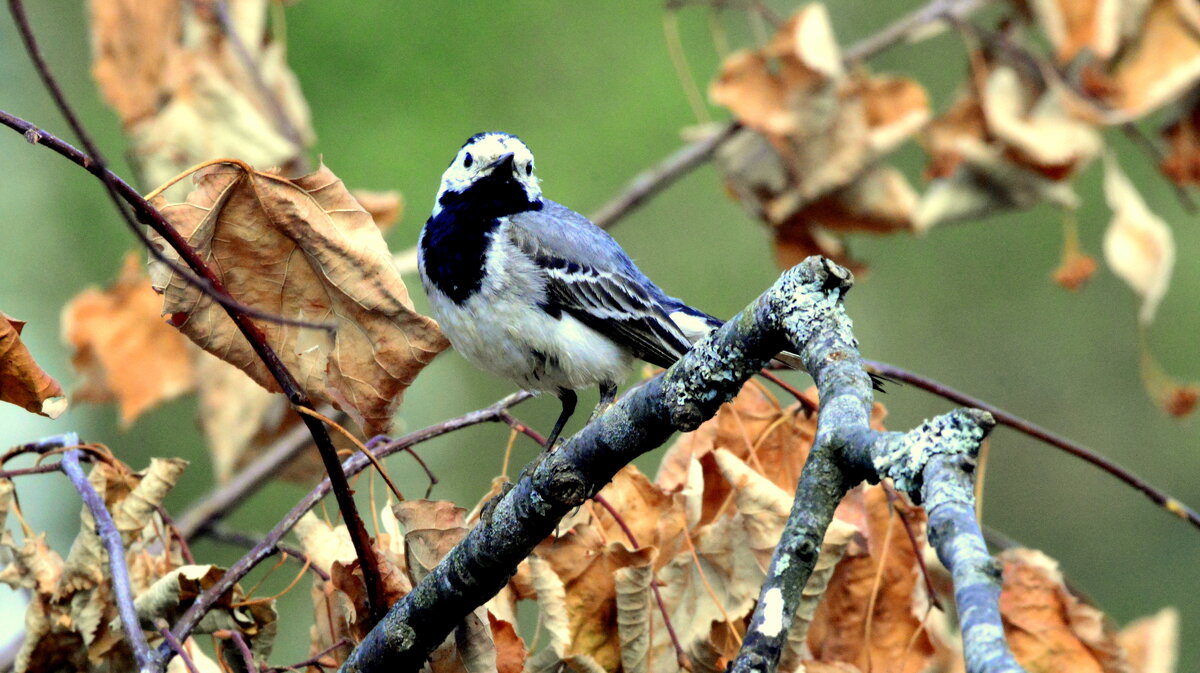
(478, 158)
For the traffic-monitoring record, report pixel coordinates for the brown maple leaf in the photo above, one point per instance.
(302, 248)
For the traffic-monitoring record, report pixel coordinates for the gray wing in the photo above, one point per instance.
(591, 278)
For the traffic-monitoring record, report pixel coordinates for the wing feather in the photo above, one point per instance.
(590, 277)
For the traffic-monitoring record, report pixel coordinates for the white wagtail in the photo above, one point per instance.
(533, 292)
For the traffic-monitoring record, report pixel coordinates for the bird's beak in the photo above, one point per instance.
(504, 162)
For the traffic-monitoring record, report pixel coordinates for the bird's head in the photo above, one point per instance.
(492, 174)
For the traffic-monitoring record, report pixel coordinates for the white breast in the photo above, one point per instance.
(502, 330)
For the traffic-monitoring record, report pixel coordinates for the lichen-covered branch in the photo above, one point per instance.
(935, 465)
(788, 315)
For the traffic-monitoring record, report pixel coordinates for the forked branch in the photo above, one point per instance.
(803, 312)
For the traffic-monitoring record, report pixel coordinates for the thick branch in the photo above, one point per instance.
(935, 465)
(680, 399)
(147, 658)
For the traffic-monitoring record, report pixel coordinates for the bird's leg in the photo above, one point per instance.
(608, 395)
(568, 399)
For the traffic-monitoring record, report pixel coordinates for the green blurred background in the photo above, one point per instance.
(396, 87)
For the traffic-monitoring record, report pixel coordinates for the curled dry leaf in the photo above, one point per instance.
(1157, 66)
(869, 613)
(123, 348)
(303, 249)
(634, 602)
(1077, 25)
(136, 53)
(1048, 628)
(72, 620)
(806, 162)
(22, 381)
(1009, 143)
(385, 208)
(1138, 245)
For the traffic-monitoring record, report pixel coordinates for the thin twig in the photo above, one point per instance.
(523, 428)
(147, 658)
(652, 181)
(681, 656)
(240, 539)
(177, 647)
(807, 404)
(247, 656)
(900, 30)
(225, 498)
(353, 465)
(37, 469)
(173, 531)
(1021, 425)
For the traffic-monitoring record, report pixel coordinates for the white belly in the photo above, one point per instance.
(518, 341)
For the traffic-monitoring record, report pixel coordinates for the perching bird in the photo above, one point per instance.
(532, 291)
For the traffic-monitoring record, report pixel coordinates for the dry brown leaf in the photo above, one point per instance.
(1152, 643)
(839, 538)
(22, 381)
(1076, 25)
(1075, 271)
(806, 162)
(136, 53)
(1037, 133)
(1138, 245)
(1161, 64)
(184, 91)
(71, 619)
(1049, 629)
(869, 614)
(510, 648)
(1010, 142)
(122, 346)
(304, 249)
(634, 603)
(584, 566)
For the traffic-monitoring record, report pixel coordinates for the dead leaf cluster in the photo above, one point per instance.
(808, 160)
(415, 535)
(171, 70)
(71, 621)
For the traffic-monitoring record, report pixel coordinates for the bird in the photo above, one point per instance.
(535, 293)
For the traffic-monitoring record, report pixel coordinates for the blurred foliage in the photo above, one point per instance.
(395, 88)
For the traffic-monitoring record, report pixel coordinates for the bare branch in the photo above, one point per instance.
(1156, 495)
(147, 658)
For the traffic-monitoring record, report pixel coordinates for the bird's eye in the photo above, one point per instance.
(529, 168)
(468, 160)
